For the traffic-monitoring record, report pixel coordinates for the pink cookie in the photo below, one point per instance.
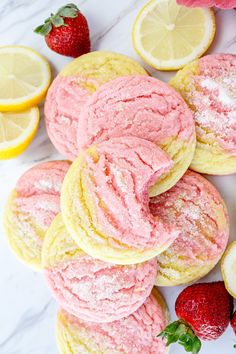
(224, 4)
(31, 208)
(70, 90)
(105, 204)
(144, 107)
(197, 209)
(64, 102)
(135, 334)
(209, 86)
(88, 288)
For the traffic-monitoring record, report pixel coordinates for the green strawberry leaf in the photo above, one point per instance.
(57, 21)
(69, 10)
(38, 29)
(181, 332)
(172, 339)
(71, 5)
(43, 30)
(170, 329)
(196, 345)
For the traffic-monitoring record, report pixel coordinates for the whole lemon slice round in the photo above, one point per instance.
(168, 36)
(228, 269)
(17, 130)
(25, 77)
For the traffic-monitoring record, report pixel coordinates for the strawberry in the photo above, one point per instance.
(204, 311)
(233, 322)
(66, 32)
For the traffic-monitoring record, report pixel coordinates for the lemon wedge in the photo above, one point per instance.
(228, 269)
(17, 130)
(25, 77)
(168, 36)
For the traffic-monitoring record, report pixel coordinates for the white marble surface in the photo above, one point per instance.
(27, 312)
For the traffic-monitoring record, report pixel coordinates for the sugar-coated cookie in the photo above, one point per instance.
(104, 201)
(223, 4)
(209, 86)
(88, 288)
(31, 208)
(69, 92)
(196, 208)
(135, 334)
(147, 108)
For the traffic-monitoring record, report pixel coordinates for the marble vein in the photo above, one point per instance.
(8, 6)
(28, 319)
(231, 43)
(114, 22)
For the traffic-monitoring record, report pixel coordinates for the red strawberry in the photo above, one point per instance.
(204, 311)
(233, 322)
(66, 32)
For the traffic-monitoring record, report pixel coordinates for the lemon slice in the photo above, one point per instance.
(25, 77)
(228, 269)
(168, 36)
(17, 130)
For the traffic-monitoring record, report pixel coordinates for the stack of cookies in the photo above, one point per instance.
(126, 213)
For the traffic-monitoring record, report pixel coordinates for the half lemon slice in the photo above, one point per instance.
(228, 269)
(168, 36)
(25, 77)
(17, 130)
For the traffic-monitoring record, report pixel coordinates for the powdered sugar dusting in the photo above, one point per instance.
(196, 208)
(35, 203)
(136, 333)
(38, 191)
(224, 94)
(47, 185)
(213, 97)
(69, 92)
(96, 291)
(143, 107)
(115, 184)
(224, 4)
(89, 288)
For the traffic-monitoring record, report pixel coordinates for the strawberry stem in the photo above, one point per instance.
(181, 332)
(57, 20)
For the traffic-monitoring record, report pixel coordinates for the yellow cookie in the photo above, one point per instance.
(136, 333)
(144, 107)
(104, 201)
(71, 89)
(197, 209)
(209, 87)
(31, 208)
(88, 288)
